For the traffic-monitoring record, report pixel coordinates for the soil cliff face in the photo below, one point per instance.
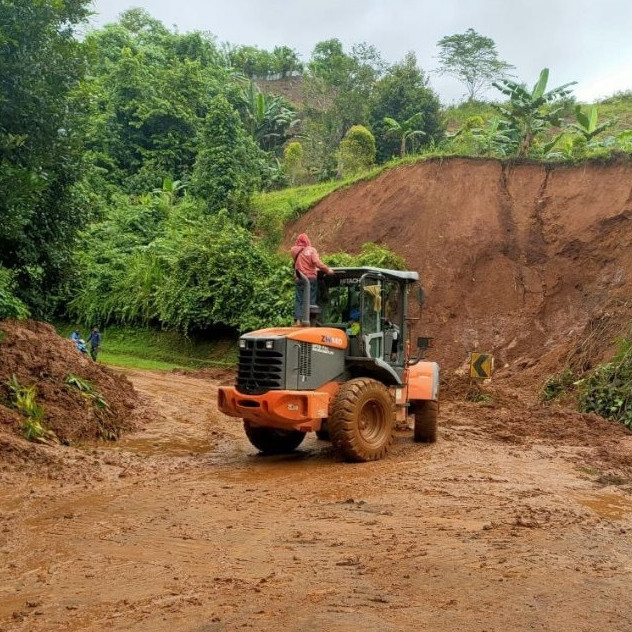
(530, 262)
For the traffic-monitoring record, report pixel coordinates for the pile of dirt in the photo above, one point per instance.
(223, 375)
(81, 399)
(529, 262)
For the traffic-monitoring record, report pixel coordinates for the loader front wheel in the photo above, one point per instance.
(362, 420)
(426, 413)
(273, 440)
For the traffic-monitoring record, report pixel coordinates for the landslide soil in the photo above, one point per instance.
(518, 518)
(530, 262)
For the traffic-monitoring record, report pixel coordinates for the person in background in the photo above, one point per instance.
(95, 342)
(75, 336)
(307, 262)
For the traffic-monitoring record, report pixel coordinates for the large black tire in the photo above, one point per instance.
(426, 413)
(273, 440)
(362, 420)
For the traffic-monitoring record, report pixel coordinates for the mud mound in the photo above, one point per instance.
(37, 356)
(529, 262)
(221, 374)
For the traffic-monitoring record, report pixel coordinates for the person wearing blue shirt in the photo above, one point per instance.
(95, 342)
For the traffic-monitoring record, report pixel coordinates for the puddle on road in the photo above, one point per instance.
(610, 506)
(165, 446)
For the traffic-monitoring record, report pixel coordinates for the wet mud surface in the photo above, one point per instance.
(519, 518)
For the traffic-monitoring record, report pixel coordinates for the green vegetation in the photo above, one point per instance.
(606, 391)
(146, 348)
(23, 399)
(357, 151)
(473, 60)
(144, 171)
(106, 429)
(558, 385)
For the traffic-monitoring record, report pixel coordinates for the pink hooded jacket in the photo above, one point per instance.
(306, 259)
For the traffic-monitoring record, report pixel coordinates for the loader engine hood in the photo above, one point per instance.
(327, 336)
(281, 358)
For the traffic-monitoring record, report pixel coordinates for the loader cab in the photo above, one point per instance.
(370, 304)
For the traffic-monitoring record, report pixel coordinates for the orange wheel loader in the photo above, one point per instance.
(347, 373)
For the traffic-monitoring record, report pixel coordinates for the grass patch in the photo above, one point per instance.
(273, 210)
(152, 349)
(133, 362)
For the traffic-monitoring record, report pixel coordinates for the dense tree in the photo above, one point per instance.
(40, 155)
(228, 165)
(254, 62)
(337, 88)
(149, 94)
(402, 93)
(472, 59)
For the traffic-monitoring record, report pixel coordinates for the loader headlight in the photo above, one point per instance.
(242, 344)
(269, 344)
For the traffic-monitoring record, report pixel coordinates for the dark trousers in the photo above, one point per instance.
(298, 299)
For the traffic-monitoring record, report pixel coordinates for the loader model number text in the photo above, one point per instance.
(332, 340)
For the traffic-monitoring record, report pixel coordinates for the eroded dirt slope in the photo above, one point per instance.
(528, 261)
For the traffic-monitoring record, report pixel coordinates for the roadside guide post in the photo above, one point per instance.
(481, 368)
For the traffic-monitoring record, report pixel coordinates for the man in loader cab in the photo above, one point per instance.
(307, 262)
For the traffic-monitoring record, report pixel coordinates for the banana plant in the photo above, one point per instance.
(497, 139)
(267, 118)
(587, 123)
(404, 130)
(528, 110)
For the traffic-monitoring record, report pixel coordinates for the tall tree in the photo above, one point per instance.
(228, 164)
(472, 59)
(40, 154)
(337, 88)
(402, 93)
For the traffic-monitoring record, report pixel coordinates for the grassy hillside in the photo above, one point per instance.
(160, 350)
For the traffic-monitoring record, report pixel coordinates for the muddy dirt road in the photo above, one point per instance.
(507, 523)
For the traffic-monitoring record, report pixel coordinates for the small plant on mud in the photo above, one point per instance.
(23, 399)
(106, 428)
(477, 395)
(557, 385)
(607, 390)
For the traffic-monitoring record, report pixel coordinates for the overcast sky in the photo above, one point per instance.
(579, 40)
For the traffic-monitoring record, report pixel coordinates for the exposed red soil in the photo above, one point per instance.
(530, 262)
(183, 526)
(34, 353)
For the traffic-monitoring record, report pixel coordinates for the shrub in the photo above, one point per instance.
(293, 162)
(357, 151)
(10, 305)
(608, 390)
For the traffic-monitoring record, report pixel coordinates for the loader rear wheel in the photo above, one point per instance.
(273, 440)
(426, 413)
(362, 420)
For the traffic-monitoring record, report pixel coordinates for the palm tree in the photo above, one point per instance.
(404, 130)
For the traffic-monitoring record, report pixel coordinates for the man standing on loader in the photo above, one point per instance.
(308, 263)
